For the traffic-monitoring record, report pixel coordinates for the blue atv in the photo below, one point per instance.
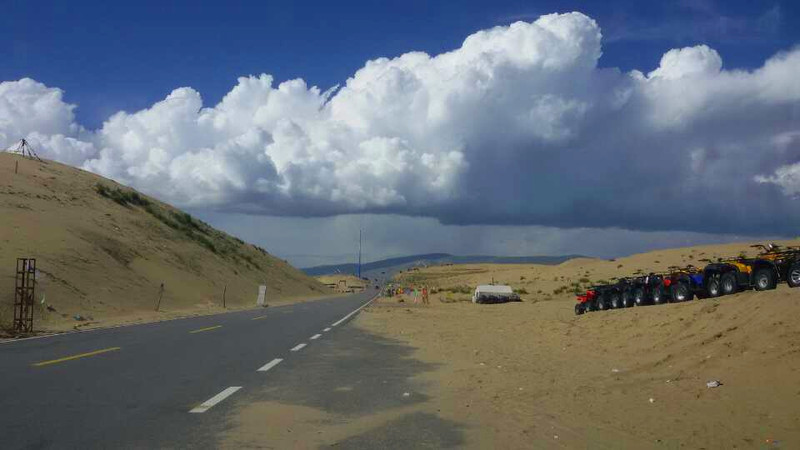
(686, 283)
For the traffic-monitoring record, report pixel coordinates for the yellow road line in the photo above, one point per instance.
(206, 329)
(82, 355)
(259, 317)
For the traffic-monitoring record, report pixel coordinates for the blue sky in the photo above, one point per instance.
(111, 56)
(525, 139)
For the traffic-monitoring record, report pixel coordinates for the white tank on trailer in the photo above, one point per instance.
(489, 293)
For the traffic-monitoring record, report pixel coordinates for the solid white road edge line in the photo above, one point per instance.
(208, 404)
(298, 347)
(357, 310)
(316, 336)
(270, 365)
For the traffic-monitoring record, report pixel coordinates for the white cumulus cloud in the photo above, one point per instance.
(519, 125)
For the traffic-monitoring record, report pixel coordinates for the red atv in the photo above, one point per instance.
(586, 302)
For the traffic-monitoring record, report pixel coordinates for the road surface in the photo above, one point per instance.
(156, 385)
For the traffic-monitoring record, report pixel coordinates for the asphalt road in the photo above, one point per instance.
(136, 386)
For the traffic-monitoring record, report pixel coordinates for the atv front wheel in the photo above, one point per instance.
(728, 283)
(681, 292)
(579, 309)
(659, 295)
(793, 278)
(638, 297)
(627, 298)
(764, 279)
(713, 287)
(616, 301)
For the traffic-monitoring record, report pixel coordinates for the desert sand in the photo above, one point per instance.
(534, 375)
(105, 261)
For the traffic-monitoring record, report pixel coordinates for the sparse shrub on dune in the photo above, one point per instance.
(461, 289)
(192, 228)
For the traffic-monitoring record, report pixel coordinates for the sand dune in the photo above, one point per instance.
(104, 257)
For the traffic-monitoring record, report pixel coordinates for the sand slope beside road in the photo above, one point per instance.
(533, 374)
(106, 261)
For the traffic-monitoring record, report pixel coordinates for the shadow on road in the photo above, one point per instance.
(361, 389)
(415, 430)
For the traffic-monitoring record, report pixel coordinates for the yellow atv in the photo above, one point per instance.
(785, 261)
(740, 273)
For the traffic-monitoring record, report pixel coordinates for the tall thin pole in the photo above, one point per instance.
(359, 253)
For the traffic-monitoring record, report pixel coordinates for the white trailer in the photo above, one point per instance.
(487, 293)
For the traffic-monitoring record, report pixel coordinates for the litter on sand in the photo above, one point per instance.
(713, 384)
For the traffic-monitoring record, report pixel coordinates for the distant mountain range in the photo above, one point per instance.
(434, 259)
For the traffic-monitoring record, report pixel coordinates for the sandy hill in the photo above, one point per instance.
(343, 282)
(103, 251)
(540, 282)
(528, 372)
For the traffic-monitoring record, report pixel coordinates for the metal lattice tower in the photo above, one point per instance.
(24, 291)
(24, 149)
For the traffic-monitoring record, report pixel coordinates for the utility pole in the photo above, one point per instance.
(160, 294)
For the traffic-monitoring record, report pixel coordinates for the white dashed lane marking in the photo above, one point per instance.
(326, 330)
(316, 336)
(208, 404)
(298, 347)
(270, 365)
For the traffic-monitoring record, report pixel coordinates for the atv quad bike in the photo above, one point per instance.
(614, 296)
(686, 283)
(600, 298)
(741, 273)
(585, 302)
(651, 289)
(785, 260)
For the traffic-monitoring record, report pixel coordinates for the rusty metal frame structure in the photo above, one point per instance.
(24, 290)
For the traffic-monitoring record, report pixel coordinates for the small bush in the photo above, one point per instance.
(205, 242)
(251, 261)
(122, 197)
(462, 289)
